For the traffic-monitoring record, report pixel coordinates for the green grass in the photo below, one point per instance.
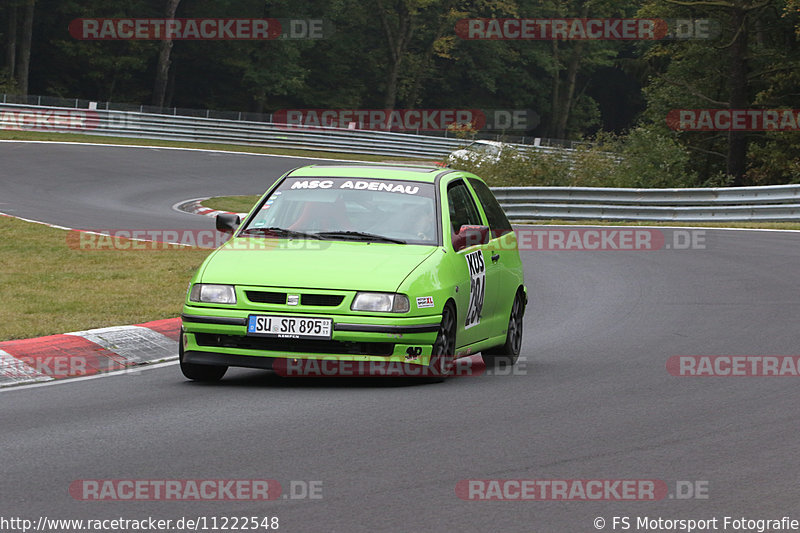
(236, 204)
(101, 139)
(51, 287)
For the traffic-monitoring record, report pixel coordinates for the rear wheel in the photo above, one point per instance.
(508, 353)
(195, 372)
(444, 348)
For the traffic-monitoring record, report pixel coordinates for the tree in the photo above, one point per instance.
(11, 41)
(573, 63)
(411, 29)
(690, 74)
(116, 70)
(23, 70)
(162, 69)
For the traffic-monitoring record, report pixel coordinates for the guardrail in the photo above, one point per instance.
(249, 116)
(200, 129)
(214, 130)
(769, 203)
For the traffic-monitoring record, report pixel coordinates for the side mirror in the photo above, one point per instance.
(470, 236)
(228, 222)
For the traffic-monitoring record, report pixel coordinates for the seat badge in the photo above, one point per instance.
(293, 299)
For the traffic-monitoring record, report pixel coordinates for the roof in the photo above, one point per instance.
(372, 171)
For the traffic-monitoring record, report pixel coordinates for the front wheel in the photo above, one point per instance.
(508, 353)
(444, 348)
(195, 372)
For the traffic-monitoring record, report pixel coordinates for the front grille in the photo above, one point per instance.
(263, 297)
(294, 345)
(329, 300)
(267, 297)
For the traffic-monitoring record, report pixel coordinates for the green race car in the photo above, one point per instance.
(370, 265)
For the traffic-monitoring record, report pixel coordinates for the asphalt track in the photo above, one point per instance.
(592, 401)
(91, 187)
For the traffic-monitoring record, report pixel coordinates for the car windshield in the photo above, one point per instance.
(365, 209)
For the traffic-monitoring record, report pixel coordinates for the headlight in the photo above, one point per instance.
(380, 301)
(213, 294)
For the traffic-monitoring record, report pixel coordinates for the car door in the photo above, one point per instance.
(504, 266)
(471, 266)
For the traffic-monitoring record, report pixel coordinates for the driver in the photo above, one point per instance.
(423, 223)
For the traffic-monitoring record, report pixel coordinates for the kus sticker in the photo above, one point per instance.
(424, 301)
(477, 288)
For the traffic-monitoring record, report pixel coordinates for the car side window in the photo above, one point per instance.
(498, 221)
(462, 208)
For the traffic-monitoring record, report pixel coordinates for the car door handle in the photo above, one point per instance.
(495, 258)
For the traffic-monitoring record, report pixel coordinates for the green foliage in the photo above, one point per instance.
(651, 158)
(644, 158)
(776, 161)
(513, 169)
(7, 84)
(696, 74)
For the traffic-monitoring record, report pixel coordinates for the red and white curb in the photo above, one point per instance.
(85, 353)
(196, 207)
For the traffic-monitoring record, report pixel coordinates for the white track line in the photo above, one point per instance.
(130, 370)
(151, 147)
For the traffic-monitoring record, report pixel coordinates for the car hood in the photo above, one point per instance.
(343, 265)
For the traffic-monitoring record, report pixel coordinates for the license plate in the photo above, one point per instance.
(289, 327)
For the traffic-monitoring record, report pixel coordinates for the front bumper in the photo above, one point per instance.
(219, 336)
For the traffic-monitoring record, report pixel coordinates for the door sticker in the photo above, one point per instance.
(477, 288)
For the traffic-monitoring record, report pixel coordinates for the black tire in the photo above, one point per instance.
(508, 353)
(195, 372)
(444, 347)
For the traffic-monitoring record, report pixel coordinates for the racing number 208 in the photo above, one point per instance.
(477, 287)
